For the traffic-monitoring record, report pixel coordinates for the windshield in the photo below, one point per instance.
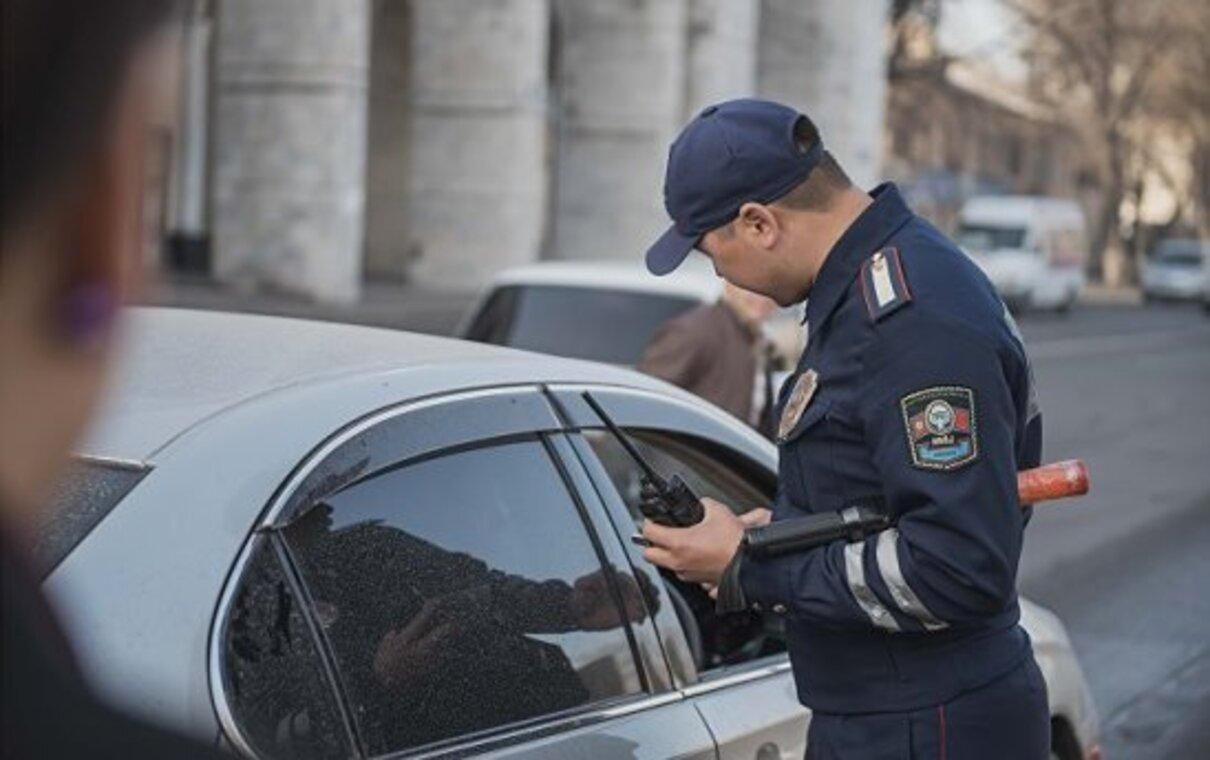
(88, 492)
(1180, 253)
(584, 323)
(984, 238)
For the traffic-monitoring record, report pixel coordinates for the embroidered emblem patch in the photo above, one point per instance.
(804, 389)
(940, 425)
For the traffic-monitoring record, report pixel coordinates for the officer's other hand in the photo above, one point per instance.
(755, 518)
(699, 553)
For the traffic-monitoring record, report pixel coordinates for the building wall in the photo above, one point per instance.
(387, 252)
(828, 59)
(477, 181)
(498, 131)
(289, 160)
(620, 70)
(945, 144)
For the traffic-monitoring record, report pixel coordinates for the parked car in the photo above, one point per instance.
(311, 540)
(1032, 248)
(608, 311)
(1176, 270)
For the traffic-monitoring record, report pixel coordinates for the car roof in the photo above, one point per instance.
(693, 279)
(181, 367)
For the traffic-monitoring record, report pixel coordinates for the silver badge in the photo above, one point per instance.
(804, 390)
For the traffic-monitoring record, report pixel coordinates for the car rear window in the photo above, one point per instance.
(583, 323)
(88, 492)
(1180, 253)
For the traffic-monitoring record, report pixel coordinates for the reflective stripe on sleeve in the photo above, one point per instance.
(855, 574)
(892, 574)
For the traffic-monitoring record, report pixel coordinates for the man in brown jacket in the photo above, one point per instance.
(716, 352)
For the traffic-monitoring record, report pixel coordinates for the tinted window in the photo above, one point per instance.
(83, 497)
(1180, 253)
(586, 323)
(987, 239)
(273, 677)
(462, 593)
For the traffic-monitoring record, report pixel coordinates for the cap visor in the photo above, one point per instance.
(669, 251)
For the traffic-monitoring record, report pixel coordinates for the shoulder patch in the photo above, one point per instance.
(883, 285)
(941, 427)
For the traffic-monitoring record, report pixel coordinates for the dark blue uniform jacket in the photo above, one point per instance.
(922, 405)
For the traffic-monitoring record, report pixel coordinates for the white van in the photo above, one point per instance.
(1032, 248)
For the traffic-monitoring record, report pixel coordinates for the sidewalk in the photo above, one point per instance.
(395, 305)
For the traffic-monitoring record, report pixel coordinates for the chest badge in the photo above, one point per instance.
(940, 424)
(804, 390)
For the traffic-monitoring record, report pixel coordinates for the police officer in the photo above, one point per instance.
(913, 396)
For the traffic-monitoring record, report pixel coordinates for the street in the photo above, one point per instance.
(1125, 389)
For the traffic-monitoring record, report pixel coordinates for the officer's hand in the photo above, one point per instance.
(699, 553)
(755, 518)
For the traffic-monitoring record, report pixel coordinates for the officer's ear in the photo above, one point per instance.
(758, 225)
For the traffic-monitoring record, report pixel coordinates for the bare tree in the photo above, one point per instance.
(1096, 60)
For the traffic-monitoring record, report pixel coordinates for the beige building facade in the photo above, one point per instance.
(326, 142)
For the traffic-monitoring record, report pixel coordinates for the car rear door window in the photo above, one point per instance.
(462, 593)
(273, 674)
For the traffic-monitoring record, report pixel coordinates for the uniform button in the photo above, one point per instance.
(756, 606)
(780, 609)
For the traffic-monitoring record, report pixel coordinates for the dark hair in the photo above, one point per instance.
(63, 64)
(824, 183)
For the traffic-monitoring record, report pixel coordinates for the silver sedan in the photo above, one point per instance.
(310, 540)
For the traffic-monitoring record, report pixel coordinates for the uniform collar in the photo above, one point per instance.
(864, 236)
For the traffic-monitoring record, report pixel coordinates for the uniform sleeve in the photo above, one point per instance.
(939, 420)
(672, 355)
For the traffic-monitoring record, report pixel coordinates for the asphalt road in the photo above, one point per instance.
(1126, 568)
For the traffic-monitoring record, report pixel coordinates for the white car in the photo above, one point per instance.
(1032, 248)
(1176, 270)
(605, 310)
(309, 540)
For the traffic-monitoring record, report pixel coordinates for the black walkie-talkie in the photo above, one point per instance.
(678, 506)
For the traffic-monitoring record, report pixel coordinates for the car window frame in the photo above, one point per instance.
(681, 418)
(468, 419)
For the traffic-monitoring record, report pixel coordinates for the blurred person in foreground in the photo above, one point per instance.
(82, 83)
(717, 352)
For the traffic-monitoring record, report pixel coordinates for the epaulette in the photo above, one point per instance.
(883, 284)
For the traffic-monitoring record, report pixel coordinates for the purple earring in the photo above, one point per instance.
(89, 314)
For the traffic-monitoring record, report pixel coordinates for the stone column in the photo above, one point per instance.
(289, 164)
(477, 152)
(829, 59)
(722, 52)
(621, 71)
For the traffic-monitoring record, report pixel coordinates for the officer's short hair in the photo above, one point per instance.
(818, 191)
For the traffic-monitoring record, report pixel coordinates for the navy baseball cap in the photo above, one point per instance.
(733, 153)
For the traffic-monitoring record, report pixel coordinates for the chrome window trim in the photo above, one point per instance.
(503, 736)
(756, 672)
(218, 696)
